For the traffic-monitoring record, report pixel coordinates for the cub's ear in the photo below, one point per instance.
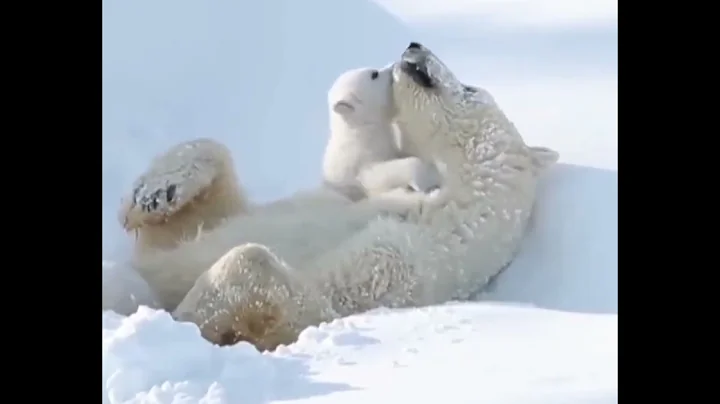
(544, 157)
(343, 107)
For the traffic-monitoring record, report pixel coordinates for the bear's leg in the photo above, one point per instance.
(250, 295)
(173, 180)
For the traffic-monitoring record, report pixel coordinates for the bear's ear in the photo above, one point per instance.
(543, 157)
(343, 107)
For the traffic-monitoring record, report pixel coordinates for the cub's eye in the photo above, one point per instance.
(374, 74)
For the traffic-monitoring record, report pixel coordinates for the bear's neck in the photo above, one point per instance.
(475, 162)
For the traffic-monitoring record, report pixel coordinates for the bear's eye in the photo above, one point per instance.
(374, 74)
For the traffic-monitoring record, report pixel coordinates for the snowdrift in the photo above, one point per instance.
(569, 260)
(457, 353)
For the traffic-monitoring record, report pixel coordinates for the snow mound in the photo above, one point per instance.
(124, 290)
(569, 260)
(460, 353)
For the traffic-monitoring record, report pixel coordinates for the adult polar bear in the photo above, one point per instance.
(462, 235)
(192, 189)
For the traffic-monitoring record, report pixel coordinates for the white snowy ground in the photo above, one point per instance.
(176, 69)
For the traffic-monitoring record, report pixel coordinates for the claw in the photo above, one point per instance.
(160, 197)
(170, 193)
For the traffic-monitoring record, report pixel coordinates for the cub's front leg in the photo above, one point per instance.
(410, 173)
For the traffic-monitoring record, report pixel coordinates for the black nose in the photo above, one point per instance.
(414, 45)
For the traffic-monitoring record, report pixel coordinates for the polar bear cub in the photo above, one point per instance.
(363, 155)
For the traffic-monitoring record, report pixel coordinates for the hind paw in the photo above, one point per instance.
(149, 206)
(248, 295)
(174, 179)
(157, 200)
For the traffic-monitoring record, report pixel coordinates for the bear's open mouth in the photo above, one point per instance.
(418, 73)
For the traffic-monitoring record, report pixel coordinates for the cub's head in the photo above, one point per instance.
(362, 96)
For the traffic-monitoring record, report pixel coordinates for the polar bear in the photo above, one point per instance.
(184, 212)
(363, 155)
(192, 188)
(188, 209)
(459, 236)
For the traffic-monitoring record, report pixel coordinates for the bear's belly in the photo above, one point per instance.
(297, 236)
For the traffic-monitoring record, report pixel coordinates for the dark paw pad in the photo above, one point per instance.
(158, 199)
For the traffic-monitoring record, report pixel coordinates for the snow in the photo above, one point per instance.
(124, 289)
(546, 331)
(569, 259)
(453, 353)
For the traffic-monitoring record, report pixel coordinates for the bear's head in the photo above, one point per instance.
(362, 96)
(439, 112)
(422, 75)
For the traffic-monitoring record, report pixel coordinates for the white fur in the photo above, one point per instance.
(362, 157)
(299, 232)
(188, 209)
(460, 236)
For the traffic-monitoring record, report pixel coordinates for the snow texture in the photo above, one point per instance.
(569, 259)
(179, 69)
(124, 289)
(458, 353)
